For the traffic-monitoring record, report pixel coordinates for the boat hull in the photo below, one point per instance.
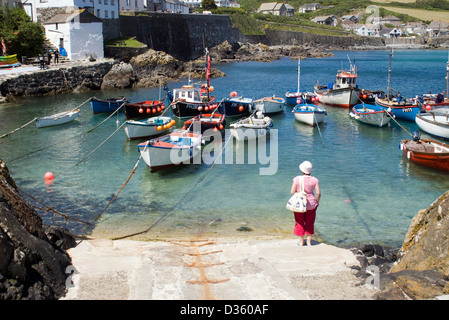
(250, 128)
(138, 129)
(342, 97)
(57, 119)
(269, 105)
(183, 109)
(107, 105)
(207, 124)
(434, 124)
(427, 153)
(170, 150)
(237, 106)
(292, 97)
(403, 111)
(144, 109)
(309, 114)
(369, 115)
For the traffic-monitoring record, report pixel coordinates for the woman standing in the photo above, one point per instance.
(305, 220)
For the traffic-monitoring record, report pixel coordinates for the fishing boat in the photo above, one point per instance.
(269, 104)
(373, 115)
(138, 129)
(436, 124)
(251, 127)
(400, 107)
(189, 101)
(343, 93)
(369, 96)
(292, 97)
(57, 119)
(309, 114)
(426, 152)
(107, 105)
(205, 122)
(237, 106)
(177, 147)
(144, 109)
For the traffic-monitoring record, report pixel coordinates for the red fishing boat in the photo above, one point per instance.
(426, 152)
(144, 109)
(205, 121)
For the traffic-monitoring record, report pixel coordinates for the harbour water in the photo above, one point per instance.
(370, 192)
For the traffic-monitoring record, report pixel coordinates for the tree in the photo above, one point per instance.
(22, 36)
(208, 4)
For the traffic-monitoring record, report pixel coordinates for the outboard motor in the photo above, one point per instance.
(416, 136)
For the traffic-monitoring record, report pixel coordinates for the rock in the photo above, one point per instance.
(120, 76)
(422, 270)
(31, 266)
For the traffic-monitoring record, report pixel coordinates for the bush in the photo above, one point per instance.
(21, 36)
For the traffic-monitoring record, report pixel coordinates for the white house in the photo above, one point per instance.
(78, 34)
(309, 7)
(276, 8)
(175, 6)
(103, 9)
(326, 20)
(132, 5)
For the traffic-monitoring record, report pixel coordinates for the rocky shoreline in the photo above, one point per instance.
(149, 69)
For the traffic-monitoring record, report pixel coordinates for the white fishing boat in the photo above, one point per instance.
(373, 115)
(177, 147)
(137, 129)
(436, 124)
(57, 119)
(309, 114)
(343, 93)
(251, 127)
(269, 104)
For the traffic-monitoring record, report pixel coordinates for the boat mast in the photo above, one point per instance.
(299, 72)
(389, 76)
(207, 73)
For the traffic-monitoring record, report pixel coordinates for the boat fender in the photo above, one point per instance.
(203, 142)
(271, 124)
(401, 146)
(408, 154)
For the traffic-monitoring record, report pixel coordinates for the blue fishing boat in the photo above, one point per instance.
(401, 108)
(107, 105)
(404, 109)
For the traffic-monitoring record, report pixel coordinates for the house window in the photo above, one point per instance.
(112, 2)
(105, 2)
(113, 14)
(98, 13)
(106, 14)
(99, 1)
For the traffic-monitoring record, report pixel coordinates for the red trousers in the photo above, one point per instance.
(305, 222)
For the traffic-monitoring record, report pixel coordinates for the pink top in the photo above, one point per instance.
(309, 187)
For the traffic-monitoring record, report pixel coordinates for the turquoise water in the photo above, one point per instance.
(370, 192)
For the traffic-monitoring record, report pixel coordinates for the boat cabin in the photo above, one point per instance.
(346, 79)
(187, 94)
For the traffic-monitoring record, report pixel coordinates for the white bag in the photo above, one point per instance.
(298, 202)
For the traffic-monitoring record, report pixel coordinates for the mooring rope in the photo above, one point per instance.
(34, 119)
(123, 186)
(17, 129)
(90, 153)
(47, 208)
(90, 130)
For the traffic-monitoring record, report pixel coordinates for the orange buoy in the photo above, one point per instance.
(365, 96)
(140, 110)
(159, 128)
(162, 107)
(49, 175)
(200, 109)
(241, 108)
(148, 110)
(233, 94)
(220, 127)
